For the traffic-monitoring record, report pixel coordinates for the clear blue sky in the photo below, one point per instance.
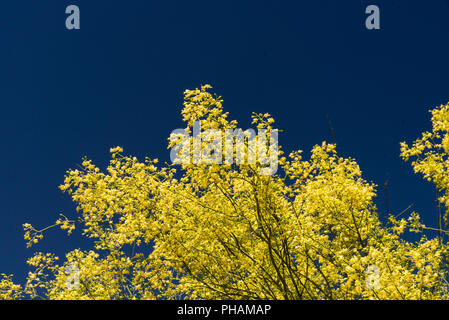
(119, 81)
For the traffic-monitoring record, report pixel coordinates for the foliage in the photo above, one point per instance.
(225, 231)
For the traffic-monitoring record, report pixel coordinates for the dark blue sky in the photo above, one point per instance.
(120, 79)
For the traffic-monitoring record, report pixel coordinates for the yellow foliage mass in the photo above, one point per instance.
(199, 231)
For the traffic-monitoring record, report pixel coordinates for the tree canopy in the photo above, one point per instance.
(230, 231)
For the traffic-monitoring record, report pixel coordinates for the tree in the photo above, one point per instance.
(227, 231)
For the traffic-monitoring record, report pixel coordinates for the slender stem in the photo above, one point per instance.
(332, 128)
(385, 195)
(437, 202)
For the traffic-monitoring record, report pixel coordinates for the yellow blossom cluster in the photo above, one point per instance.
(225, 231)
(429, 153)
(9, 290)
